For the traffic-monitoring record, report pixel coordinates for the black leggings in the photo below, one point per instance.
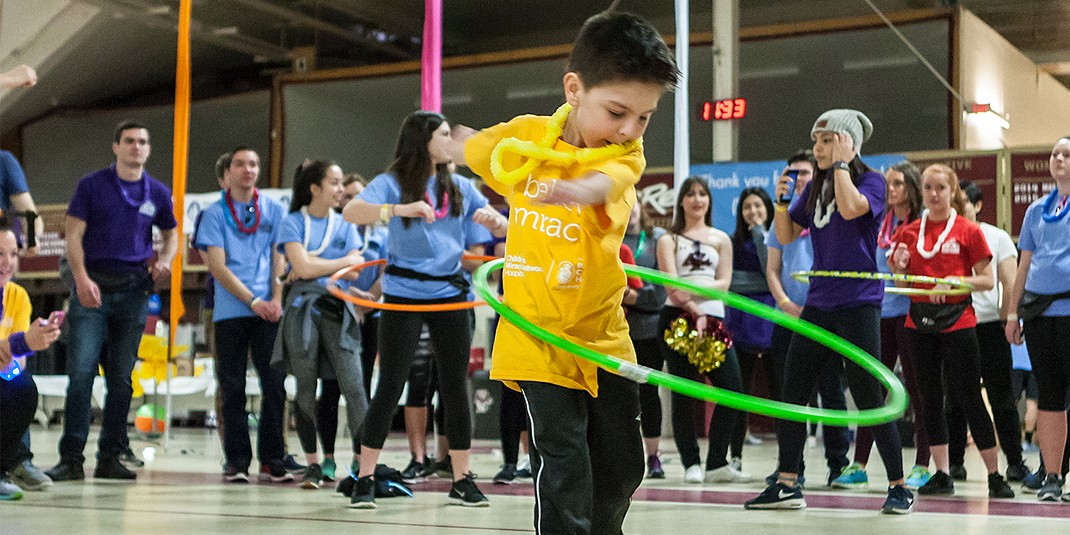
(807, 360)
(513, 419)
(1047, 336)
(451, 339)
(748, 362)
(723, 420)
(18, 403)
(648, 353)
(995, 366)
(952, 357)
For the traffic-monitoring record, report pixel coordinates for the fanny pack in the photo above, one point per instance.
(932, 318)
(456, 280)
(1034, 304)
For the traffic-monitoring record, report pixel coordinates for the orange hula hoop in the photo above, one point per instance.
(332, 287)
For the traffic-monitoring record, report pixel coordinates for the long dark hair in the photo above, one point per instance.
(308, 173)
(678, 220)
(856, 168)
(912, 179)
(742, 233)
(411, 161)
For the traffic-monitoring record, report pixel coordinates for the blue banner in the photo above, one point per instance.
(727, 180)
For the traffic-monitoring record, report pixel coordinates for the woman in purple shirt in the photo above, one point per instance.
(842, 207)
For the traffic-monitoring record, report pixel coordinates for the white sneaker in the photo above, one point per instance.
(694, 474)
(727, 474)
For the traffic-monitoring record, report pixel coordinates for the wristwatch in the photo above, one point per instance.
(841, 165)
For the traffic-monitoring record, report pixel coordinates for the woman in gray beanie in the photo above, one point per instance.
(842, 208)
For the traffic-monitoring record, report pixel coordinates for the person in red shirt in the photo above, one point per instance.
(942, 327)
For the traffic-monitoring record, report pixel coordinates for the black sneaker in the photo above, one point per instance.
(958, 472)
(444, 468)
(1052, 490)
(292, 466)
(465, 492)
(128, 458)
(998, 487)
(111, 468)
(363, 494)
(416, 472)
(430, 468)
(66, 471)
(1017, 472)
(900, 501)
(834, 474)
(345, 486)
(233, 474)
(274, 472)
(940, 484)
(313, 477)
(778, 496)
(507, 475)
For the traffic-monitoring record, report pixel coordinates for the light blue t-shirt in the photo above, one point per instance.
(1049, 269)
(344, 237)
(795, 256)
(894, 305)
(248, 255)
(434, 249)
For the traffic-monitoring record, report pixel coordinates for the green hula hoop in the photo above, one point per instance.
(892, 410)
(958, 287)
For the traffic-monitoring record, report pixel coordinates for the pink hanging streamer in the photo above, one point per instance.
(431, 61)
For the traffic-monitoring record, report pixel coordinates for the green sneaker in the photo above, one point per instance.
(9, 491)
(854, 477)
(328, 469)
(919, 475)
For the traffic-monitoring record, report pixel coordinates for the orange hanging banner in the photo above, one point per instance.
(181, 154)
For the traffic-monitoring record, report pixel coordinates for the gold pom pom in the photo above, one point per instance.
(706, 353)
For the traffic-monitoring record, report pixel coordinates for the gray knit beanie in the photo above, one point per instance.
(851, 122)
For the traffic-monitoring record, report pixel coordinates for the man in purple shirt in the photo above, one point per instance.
(107, 267)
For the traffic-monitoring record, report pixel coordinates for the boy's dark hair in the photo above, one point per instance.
(229, 157)
(126, 125)
(972, 191)
(221, 165)
(355, 177)
(805, 155)
(614, 46)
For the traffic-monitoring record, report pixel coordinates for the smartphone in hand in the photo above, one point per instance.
(793, 175)
(56, 318)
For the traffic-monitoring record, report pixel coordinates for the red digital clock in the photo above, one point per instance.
(724, 110)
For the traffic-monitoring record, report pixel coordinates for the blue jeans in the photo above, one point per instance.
(117, 325)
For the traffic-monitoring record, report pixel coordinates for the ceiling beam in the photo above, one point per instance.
(163, 17)
(301, 19)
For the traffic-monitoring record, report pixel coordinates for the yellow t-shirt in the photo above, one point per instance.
(16, 315)
(562, 267)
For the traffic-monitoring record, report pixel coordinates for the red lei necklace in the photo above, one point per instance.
(234, 212)
(443, 209)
